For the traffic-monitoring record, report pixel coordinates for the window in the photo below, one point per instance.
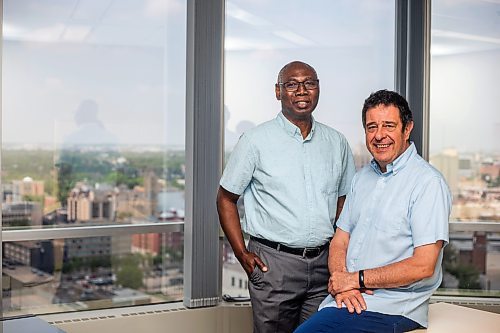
(351, 46)
(464, 139)
(58, 276)
(92, 135)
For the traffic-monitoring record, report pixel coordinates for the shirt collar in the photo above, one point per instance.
(398, 164)
(291, 129)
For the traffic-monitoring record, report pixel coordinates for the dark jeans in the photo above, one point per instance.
(333, 320)
(289, 292)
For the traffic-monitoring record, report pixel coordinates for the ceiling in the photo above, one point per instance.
(458, 26)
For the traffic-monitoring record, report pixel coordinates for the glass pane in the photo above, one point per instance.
(75, 274)
(351, 46)
(465, 138)
(93, 112)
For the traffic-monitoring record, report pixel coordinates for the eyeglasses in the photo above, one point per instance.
(294, 85)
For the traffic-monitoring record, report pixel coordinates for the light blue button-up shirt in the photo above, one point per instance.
(290, 185)
(388, 215)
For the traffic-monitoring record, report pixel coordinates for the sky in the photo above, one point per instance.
(128, 57)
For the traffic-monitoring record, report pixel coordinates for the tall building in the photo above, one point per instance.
(88, 204)
(151, 189)
(448, 163)
(361, 156)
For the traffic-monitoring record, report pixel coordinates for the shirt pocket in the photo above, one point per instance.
(393, 219)
(329, 187)
(329, 178)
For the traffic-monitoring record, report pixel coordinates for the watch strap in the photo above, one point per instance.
(361, 279)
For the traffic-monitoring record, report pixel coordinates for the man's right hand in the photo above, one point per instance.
(249, 260)
(230, 223)
(353, 300)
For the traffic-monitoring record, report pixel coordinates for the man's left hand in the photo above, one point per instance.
(353, 300)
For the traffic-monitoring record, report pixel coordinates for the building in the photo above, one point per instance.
(36, 254)
(26, 187)
(21, 214)
(88, 204)
(156, 243)
(448, 163)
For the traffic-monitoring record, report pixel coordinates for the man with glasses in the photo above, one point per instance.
(293, 173)
(385, 257)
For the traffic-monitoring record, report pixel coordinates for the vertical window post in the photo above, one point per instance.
(204, 128)
(1, 116)
(413, 65)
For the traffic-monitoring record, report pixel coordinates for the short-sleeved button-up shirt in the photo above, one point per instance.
(290, 185)
(388, 215)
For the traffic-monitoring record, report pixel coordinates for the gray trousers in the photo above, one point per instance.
(289, 292)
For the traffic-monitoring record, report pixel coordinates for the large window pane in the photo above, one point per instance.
(93, 109)
(93, 112)
(351, 46)
(75, 274)
(465, 138)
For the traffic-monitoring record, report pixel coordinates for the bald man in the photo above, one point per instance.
(293, 173)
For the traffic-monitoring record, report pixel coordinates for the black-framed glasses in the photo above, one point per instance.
(294, 85)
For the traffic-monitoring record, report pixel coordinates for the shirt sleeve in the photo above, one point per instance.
(348, 168)
(430, 213)
(240, 167)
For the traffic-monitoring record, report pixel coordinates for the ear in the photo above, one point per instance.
(277, 91)
(408, 129)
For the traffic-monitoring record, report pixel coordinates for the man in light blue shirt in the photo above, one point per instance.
(385, 258)
(293, 173)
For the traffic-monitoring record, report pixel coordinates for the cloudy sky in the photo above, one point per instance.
(128, 57)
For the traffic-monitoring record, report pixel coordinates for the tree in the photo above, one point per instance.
(467, 275)
(129, 276)
(65, 181)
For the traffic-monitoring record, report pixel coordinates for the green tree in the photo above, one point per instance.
(128, 270)
(18, 223)
(99, 262)
(35, 198)
(467, 275)
(65, 181)
(129, 276)
(121, 178)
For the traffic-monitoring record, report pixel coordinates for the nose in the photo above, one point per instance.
(380, 133)
(301, 89)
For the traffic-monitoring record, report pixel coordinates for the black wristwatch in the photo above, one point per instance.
(361, 279)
